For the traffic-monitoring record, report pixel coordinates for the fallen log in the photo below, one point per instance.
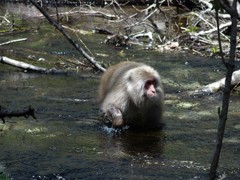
(29, 67)
(218, 85)
(25, 113)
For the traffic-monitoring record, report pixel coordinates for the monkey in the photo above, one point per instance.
(131, 94)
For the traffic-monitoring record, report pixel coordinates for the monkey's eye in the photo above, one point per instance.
(149, 83)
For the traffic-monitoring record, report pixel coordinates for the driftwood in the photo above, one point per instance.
(218, 85)
(13, 41)
(25, 113)
(29, 67)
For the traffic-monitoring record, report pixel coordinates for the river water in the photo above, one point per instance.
(67, 141)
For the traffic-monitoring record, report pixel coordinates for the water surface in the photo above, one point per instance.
(67, 140)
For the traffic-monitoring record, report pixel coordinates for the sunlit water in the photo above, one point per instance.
(67, 141)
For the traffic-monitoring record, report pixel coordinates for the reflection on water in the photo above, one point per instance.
(136, 142)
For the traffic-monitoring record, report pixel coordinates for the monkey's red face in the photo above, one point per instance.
(150, 90)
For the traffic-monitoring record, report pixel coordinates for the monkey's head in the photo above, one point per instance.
(143, 84)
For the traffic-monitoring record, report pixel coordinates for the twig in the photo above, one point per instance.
(13, 41)
(214, 29)
(99, 14)
(219, 35)
(3, 17)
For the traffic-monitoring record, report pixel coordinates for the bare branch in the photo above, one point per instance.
(60, 28)
(13, 41)
(223, 113)
(29, 67)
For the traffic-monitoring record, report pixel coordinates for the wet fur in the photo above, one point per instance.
(123, 99)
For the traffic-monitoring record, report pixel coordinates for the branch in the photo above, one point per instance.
(218, 85)
(99, 14)
(60, 29)
(219, 35)
(12, 41)
(213, 29)
(223, 113)
(26, 113)
(29, 67)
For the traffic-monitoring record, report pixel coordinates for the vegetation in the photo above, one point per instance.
(183, 26)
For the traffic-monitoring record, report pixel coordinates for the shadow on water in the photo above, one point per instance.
(67, 141)
(135, 142)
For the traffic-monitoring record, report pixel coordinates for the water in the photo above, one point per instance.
(67, 141)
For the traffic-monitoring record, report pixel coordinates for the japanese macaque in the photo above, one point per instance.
(132, 94)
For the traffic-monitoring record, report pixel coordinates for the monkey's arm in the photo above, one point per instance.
(115, 115)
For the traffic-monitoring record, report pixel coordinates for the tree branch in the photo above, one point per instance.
(29, 67)
(60, 29)
(12, 41)
(223, 114)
